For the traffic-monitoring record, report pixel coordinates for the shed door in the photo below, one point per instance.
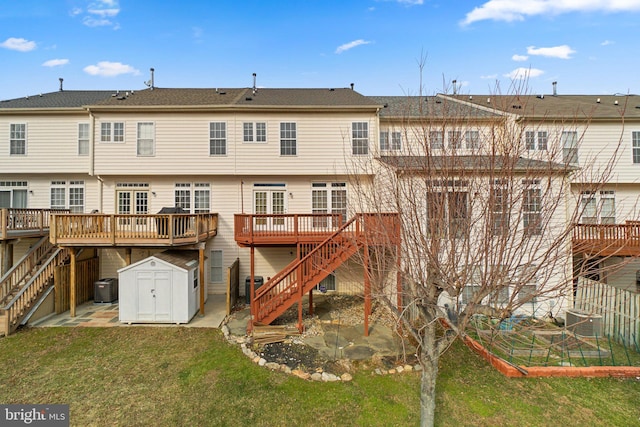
(154, 295)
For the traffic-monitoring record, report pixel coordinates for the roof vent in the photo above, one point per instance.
(248, 98)
(255, 89)
(615, 102)
(488, 100)
(61, 80)
(331, 90)
(555, 88)
(387, 105)
(352, 85)
(598, 100)
(540, 96)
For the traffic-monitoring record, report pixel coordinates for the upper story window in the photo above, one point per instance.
(532, 207)
(18, 139)
(536, 140)
(436, 139)
(360, 138)
(395, 144)
(254, 132)
(288, 139)
(472, 139)
(146, 145)
(83, 139)
(569, 147)
(455, 139)
(217, 138)
(635, 146)
(112, 132)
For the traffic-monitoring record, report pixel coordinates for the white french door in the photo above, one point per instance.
(269, 201)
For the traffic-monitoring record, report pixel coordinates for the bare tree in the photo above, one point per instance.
(486, 215)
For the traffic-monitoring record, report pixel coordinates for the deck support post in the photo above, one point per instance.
(367, 289)
(252, 289)
(72, 282)
(398, 270)
(127, 256)
(7, 257)
(201, 277)
(311, 302)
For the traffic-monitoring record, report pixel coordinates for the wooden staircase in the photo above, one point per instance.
(289, 286)
(26, 282)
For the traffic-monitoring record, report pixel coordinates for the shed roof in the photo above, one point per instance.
(184, 260)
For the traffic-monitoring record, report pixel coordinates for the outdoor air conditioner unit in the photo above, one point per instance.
(585, 324)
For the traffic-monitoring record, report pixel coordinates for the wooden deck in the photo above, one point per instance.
(607, 239)
(18, 223)
(132, 230)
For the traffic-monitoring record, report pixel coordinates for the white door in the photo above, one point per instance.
(269, 202)
(154, 295)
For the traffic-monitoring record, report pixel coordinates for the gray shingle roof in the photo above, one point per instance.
(596, 107)
(434, 107)
(60, 99)
(240, 97)
(478, 164)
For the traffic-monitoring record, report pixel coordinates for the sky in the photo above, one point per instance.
(383, 47)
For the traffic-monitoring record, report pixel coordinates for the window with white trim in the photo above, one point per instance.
(328, 198)
(499, 208)
(448, 211)
(13, 194)
(83, 139)
(254, 132)
(436, 139)
(455, 139)
(217, 139)
(598, 208)
(635, 144)
(193, 198)
(360, 138)
(395, 144)
(536, 140)
(18, 139)
(146, 145)
(532, 207)
(472, 139)
(527, 287)
(216, 269)
(112, 132)
(569, 141)
(58, 195)
(288, 139)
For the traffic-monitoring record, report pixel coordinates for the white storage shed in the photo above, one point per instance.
(162, 288)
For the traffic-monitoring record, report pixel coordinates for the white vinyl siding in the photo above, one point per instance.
(18, 139)
(146, 139)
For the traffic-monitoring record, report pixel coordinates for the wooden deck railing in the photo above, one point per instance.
(132, 230)
(607, 239)
(25, 222)
(21, 270)
(285, 228)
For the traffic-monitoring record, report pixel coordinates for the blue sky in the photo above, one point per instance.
(587, 46)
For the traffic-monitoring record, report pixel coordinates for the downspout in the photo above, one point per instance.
(92, 158)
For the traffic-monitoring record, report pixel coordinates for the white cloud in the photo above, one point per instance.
(411, 2)
(110, 69)
(519, 10)
(606, 43)
(99, 13)
(490, 76)
(55, 62)
(19, 44)
(524, 73)
(562, 52)
(519, 57)
(351, 45)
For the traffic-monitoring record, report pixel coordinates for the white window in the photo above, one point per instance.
(472, 139)
(536, 140)
(532, 207)
(448, 211)
(328, 198)
(635, 140)
(499, 203)
(194, 198)
(215, 262)
(527, 284)
(146, 139)
(18, 139)
(395, 144)
(269, 199)
(569, 147)
(288, 139)
(83, 139)
(436, 139)
(217, 138)
(112, 132)
(598, 208)
(455, 139)
(13, 194)
(133, 198)
(254, 132)
(75, 191)
(360, 138)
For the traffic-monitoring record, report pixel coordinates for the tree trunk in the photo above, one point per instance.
(429, 361)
